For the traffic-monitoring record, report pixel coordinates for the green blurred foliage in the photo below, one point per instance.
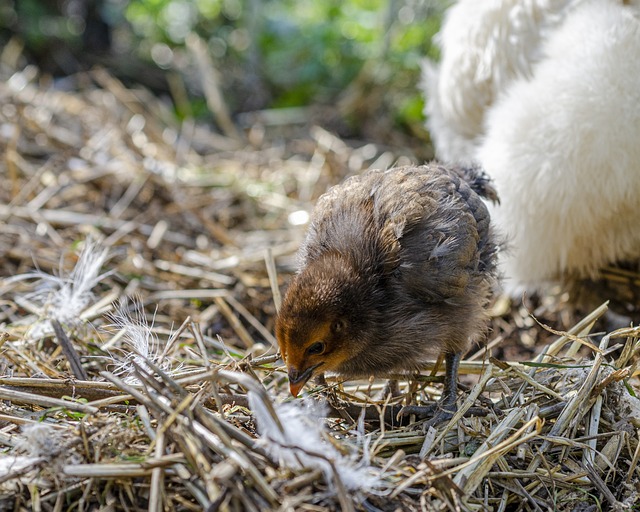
(271, 53)
(302, 52)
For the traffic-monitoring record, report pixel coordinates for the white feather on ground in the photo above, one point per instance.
(39, 446)
(545, 95)
(140, 343)
(301, 443)
(66, 296)
(40, 440)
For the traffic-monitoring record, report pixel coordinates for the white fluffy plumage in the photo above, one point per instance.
(558, 131)
(484, 47)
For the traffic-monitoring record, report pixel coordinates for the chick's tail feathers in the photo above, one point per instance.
(479, 181)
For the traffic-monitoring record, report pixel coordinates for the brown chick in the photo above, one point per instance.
(396, 268)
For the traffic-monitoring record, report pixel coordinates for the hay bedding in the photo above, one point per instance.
(138, 364)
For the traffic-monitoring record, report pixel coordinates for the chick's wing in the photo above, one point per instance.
(435, 225)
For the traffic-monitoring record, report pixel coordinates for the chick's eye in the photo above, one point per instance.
(316, 348)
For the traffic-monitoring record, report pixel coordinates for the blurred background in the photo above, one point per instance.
(352, 65)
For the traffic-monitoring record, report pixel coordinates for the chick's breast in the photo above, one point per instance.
(418, 243)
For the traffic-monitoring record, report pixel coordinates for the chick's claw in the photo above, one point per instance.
(438, 412)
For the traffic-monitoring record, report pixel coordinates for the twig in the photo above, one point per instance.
(69, 351)
(45, 401)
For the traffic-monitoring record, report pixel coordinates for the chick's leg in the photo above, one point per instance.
(445, 408)
(447, 402)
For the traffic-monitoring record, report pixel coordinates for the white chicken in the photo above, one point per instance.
(545, 95)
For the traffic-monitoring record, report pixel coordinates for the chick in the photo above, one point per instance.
(396, 268)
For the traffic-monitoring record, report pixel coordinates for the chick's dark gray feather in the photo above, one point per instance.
(406, 257)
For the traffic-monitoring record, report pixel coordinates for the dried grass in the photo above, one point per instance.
(196, 230)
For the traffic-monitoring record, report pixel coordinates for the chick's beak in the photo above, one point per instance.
(295, 388)
(298, 379)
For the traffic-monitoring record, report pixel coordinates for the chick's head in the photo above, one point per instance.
(318, 326)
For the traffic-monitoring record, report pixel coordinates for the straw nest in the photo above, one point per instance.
(141, 264)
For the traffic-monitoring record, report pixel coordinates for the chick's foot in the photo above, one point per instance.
(438, 412)
(444, 409)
